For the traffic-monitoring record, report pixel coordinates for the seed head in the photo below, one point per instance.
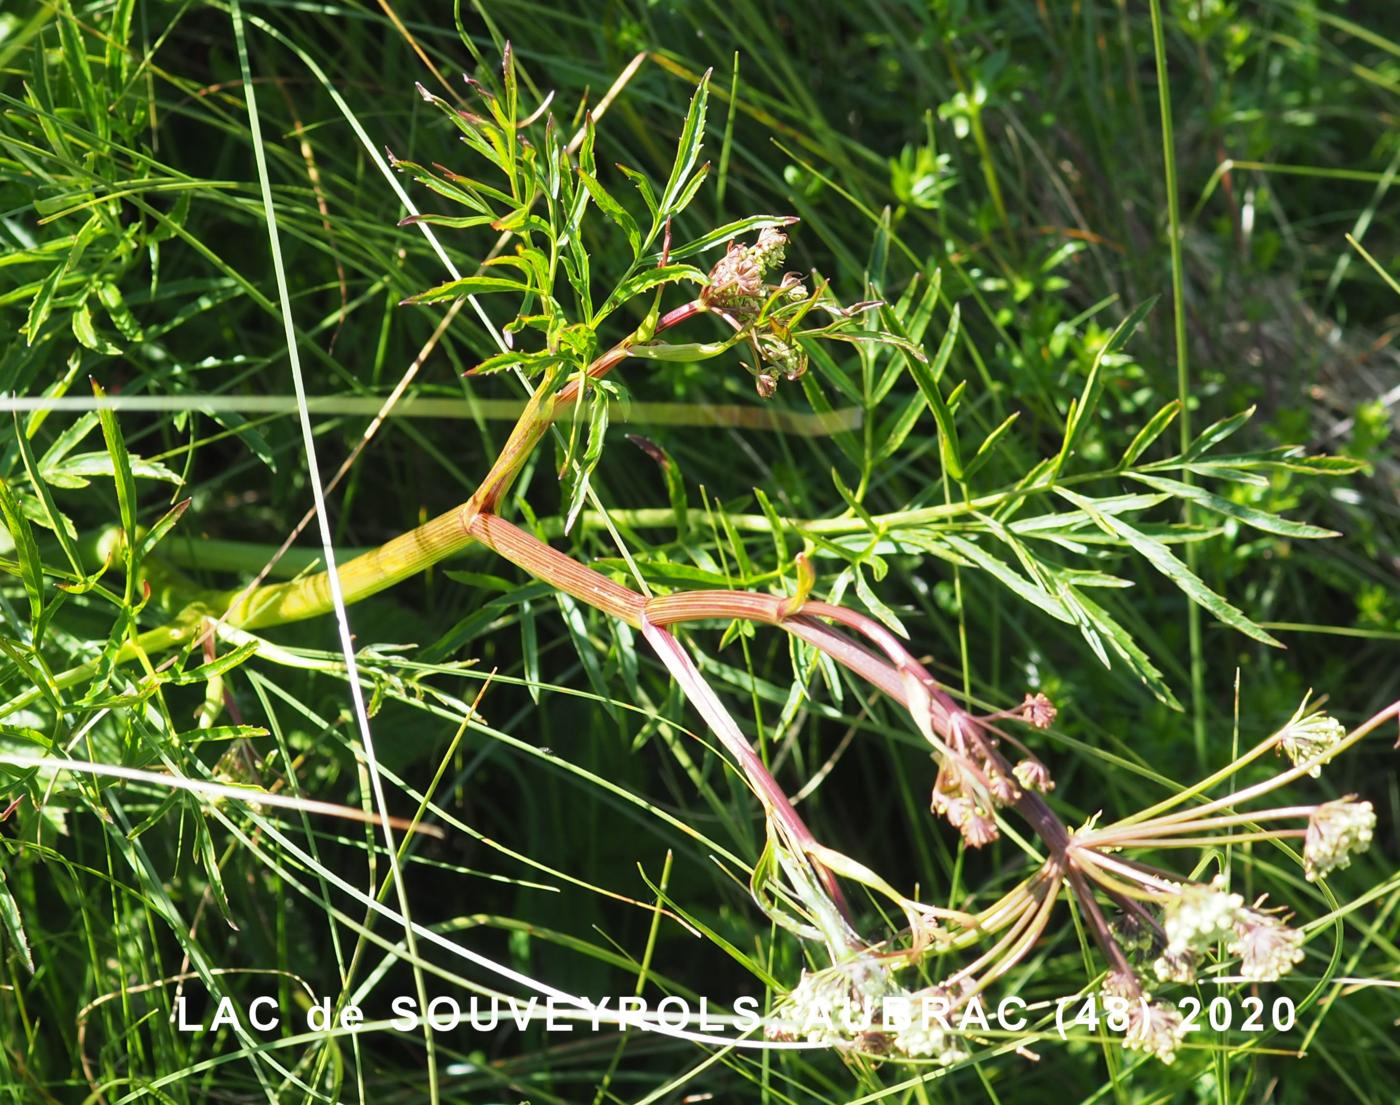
(1002, 786)
(784, 354)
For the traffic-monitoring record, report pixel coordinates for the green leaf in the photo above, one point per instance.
(1288, 458)
(897, 428)
(986, 450)
(1083, 409)
(214, 733)
(1121, 641)
(1003, 572)
(845, 440)
(204, 841)
(216, 667)
(1150, 432)
(246, 432)
(644, 188)
(725, 234)
(1258, 519)
(927, 377)
(452, 222)
(675, 482)
(125, 482)
(12, 922)
(86, 332)
(1165, 561)
(616, 213)
(592, 454)
(530, 651)
(1215, 433)
(156, 534)
(530, 362)
(855, 504)
(110, 296)
(54, 518)
(31, 568)
(687, 151)
(520, 219)
(1072, 520)
(41, 304)
(776, 527)
(689, 191)
(512, 85)
(467, 285)
(75, 471)
(876, 607)
(644, 281)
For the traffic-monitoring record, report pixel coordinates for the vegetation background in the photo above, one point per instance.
(1015, 149)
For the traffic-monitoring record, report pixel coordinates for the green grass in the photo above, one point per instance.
(196, 214)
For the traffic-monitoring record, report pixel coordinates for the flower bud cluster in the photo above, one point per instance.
(737, 279)
(738, 288)
(1311, 738)
(964, 805)
(974, 779)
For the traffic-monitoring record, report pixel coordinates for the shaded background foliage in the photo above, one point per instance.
(1016, 149)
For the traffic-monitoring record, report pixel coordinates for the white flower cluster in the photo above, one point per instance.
(1194, 919)
(1155, 1028)
(1177, 965)
(1268, 949)
(808, 1011)
(922, 1040)
(1311, 738)
(1336, 831)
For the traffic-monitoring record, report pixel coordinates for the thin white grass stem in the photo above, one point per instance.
(323, 524)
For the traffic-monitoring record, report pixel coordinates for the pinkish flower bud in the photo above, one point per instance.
(1038, 711)
(1034, 775)
(979, 830)
(1002, 786)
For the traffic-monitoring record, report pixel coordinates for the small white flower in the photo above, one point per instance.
(1311, 738)
(1268, 949)
(1155, 1028)
(1336, 831)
